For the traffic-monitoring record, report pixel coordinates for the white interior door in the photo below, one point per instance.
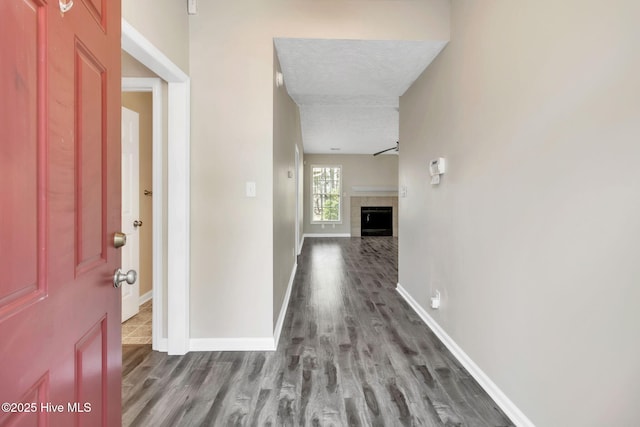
(130, 209)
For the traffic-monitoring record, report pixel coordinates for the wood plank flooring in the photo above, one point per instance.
(352, 353)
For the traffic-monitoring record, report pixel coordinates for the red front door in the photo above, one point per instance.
(60, 357)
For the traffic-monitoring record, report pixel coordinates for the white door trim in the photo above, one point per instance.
(154, 85)
(297, 185)
(178, 191)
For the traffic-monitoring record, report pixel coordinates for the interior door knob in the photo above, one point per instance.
(137, 223)
(119, 277)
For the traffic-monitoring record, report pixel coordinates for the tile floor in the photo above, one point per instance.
(137, 330)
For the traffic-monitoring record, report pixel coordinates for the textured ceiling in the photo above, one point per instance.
(348, 90)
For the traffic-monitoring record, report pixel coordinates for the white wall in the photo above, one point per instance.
(286, 136)
(357, 170)
(231, 69)
(533, 235)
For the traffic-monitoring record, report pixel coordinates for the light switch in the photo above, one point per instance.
(251, 189)
(192, 7)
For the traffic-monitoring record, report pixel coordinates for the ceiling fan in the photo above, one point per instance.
(397, 148)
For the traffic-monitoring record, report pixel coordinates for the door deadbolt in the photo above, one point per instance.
(119, 239)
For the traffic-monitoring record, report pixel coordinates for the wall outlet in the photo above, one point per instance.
(251, 189)
(435, 301)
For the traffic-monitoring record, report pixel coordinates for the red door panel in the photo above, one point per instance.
(20, 149)
(38, 395)
(90, 160)
(60, 356)
(97, 9)
(91, 380)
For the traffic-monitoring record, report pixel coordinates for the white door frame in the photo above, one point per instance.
(178, 191)
(154, 85)
(297, 184)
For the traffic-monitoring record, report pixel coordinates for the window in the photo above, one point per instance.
(326, 183)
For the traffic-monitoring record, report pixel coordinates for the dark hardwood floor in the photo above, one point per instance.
(352, 353)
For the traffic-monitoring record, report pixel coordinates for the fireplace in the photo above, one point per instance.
(376, 221)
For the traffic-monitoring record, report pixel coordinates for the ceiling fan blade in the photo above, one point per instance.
(384, 151)
(397, 147)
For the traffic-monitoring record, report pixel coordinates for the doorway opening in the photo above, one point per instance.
(142, 211)
(171, 259)
(139, 128)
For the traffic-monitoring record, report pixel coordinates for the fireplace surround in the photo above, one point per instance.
(357, 202)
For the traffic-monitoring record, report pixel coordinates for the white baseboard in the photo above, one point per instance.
(232, 344)
(145, 297)
(283, 308)
(327, 235)
(248, 344)
(161, 345)
(507, 406)
(300, 245)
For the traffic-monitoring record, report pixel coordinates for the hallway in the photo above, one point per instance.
(352, 352)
